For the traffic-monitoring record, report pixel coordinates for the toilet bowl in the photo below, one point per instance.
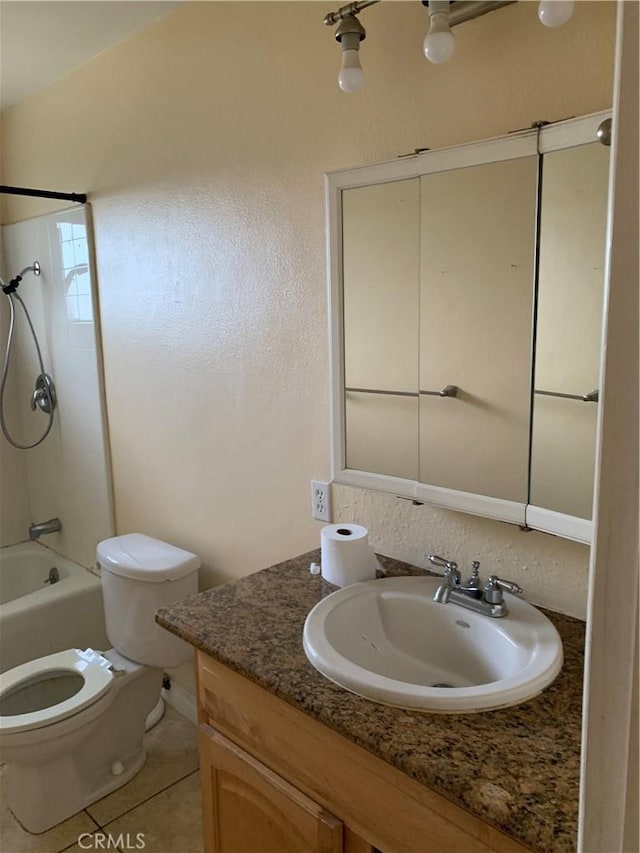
(51, 689)
(72, 723)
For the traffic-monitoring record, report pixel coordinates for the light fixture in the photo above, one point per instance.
(439, 43)
(555, 13)
(350, 33)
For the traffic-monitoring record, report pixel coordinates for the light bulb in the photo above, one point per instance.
(555, 13)
(439, 43)
(351, 76)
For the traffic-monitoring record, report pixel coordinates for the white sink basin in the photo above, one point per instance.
(387, 640)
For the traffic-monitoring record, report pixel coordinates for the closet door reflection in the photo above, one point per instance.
(380, 273)
(476, 295)
(569, 323)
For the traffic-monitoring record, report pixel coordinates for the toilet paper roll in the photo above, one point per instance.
(346, 556)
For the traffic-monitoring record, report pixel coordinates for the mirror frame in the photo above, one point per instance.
(534, 141)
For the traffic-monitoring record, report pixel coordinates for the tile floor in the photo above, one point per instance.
(162, 802)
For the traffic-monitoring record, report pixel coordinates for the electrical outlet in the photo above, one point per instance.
(320, 500)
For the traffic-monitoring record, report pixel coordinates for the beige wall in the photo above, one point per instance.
(203, 143)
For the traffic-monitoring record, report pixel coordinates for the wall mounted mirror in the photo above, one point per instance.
(573, 219)
(466, 290)
(477, 256)
(381, 240)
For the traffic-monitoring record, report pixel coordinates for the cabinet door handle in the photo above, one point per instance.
(590, 397)
(380, 391)
(447, 391)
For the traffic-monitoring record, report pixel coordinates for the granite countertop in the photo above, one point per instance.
(516, 768)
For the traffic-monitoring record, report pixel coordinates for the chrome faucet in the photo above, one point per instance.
(37, 530)
(487, 600)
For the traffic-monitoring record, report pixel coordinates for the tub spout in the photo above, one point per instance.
(38, 530)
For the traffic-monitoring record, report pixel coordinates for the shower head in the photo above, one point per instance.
(13, 284)
(34, 268)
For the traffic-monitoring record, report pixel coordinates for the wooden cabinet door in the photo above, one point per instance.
(249, 809)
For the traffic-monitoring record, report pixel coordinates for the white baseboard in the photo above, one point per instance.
(182, 701)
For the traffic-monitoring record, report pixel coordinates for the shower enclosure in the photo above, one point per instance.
(66, 475)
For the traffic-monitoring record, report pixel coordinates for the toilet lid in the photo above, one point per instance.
(72, 664)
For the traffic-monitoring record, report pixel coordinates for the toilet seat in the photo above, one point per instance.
(89, 665)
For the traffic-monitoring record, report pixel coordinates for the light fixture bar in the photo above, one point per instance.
(466, 10)
(348, 10)
(459, 10)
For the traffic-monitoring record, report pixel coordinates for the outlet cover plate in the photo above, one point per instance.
(321, 500)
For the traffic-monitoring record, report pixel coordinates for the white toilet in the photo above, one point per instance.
(71, 723)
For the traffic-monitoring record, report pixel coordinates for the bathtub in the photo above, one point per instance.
(39, 618)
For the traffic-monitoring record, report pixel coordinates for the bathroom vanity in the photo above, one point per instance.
(292, 762)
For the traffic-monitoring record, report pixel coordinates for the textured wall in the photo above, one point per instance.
(553, 572)
(203, 143)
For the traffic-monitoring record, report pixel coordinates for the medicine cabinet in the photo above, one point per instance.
(466, 294)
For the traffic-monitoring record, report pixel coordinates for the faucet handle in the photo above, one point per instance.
(441, 562)
(508, 586)
(38, 396)
(494, 587)
(450, 567)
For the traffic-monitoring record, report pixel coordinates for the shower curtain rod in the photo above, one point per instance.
(79, 198)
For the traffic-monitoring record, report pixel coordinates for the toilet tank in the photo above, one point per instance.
(140, 575)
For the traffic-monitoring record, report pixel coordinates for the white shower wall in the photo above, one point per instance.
(14, 501)
(68, 475)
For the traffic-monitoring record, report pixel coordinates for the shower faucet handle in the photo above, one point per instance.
(37, 398)
(44, 395)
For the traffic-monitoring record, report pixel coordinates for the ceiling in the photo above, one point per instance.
(42, 40)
